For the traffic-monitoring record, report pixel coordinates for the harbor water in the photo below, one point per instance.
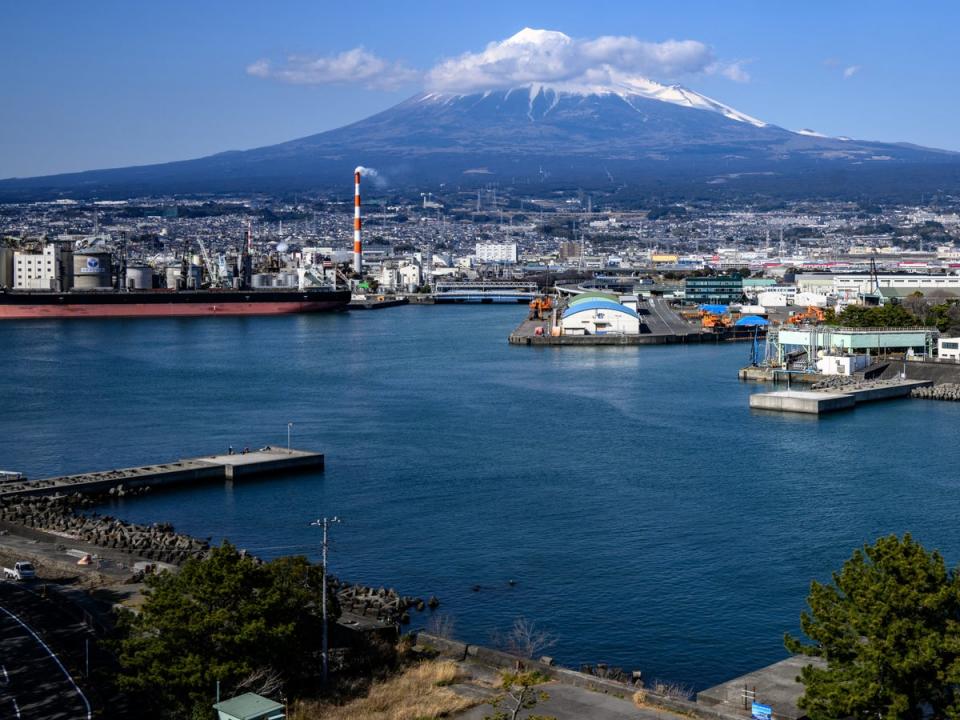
(648, 518)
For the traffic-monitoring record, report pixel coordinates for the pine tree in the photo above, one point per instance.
(227, 618)
(888, 627)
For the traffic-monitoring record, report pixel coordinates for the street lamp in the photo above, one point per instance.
(324, 523)
(289, 428)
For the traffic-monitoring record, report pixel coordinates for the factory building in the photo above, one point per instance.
(890, 286)
(716, 290)
(599, 314)
(496, 252)
(403, 277)
(37, 271)
(830, 343)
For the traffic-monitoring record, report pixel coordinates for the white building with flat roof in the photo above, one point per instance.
(948, 348)
(36, 271)
(899, 285)
(497, 252)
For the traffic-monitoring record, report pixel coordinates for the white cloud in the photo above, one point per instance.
(847, 71)
(732, 71)
(356, 66)
(547, 56)
(530, 56)
(850, 71)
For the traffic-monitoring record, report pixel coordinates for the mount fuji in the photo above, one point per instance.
(621, 131)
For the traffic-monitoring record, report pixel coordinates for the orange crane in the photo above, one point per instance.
(540, 305)
(812, 314)
(713, 321)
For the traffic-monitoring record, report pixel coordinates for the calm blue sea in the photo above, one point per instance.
(649, 518)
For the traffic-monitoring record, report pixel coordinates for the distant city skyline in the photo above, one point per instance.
(113, 84)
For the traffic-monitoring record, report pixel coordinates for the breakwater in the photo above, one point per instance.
(63, 516)
(384, 604)
(946, 391)
(71, 518)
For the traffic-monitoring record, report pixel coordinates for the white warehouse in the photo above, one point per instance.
(596, 314)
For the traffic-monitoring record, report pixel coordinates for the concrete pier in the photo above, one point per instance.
(820, 402)
(660, 324)
(525, 334)
(778, 376)
(193, 470)
(775, 686)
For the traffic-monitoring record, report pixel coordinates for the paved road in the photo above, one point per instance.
(662, 320)
(566, 702)
(34, 683)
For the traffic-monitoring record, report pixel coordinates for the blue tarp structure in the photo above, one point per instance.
(751, 321)
(715, 309)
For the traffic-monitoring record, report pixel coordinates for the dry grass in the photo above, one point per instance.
(673, 690)
(416, 693)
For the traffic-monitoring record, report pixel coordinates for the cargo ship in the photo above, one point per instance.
(27, 304)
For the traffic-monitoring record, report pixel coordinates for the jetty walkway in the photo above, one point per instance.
(267, 461)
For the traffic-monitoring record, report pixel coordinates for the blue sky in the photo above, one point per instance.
(106, 84)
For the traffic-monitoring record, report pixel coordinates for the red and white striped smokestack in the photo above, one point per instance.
(357, 242)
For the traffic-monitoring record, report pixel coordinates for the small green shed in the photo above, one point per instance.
(249, 706)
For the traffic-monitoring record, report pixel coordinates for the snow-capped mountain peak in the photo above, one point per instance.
(533, 36)
(622, 86)
(538, 61)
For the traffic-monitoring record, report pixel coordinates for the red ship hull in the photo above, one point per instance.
(24, 312)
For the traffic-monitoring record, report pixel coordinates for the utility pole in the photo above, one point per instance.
(289, 428)
(324, 523)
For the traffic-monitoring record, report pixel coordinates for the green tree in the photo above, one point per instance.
(887, 316)
(888, 627)
(520, 692)
(229, 618)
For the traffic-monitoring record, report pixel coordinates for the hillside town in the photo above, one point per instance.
(491, 234)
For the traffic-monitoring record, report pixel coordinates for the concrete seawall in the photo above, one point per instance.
(642, 339)
(820, 402)
(499, 659)
(203, 469)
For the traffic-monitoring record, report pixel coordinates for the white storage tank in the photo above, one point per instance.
(139, 277)
(195, 278)
(262, 280)
(92, 270)
(172, 275)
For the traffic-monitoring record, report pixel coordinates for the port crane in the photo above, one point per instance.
(213, 272)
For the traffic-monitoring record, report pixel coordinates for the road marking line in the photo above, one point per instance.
(55, 659)
(6, 678)
(16, 708)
